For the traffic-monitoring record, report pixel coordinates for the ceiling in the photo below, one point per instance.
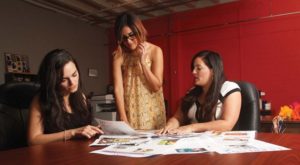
(103, 12)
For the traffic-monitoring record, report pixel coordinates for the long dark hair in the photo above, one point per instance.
(206, 111)
(133, 22)
(51, 99)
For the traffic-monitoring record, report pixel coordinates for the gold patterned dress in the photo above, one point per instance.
(144, 109)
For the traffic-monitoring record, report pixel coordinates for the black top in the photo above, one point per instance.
(70, 120)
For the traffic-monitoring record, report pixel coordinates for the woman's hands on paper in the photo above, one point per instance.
(88, 131)
(177, 131)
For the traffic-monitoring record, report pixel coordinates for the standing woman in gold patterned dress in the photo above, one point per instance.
(137, 74)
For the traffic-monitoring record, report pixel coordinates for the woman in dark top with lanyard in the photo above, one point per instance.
(59, 111)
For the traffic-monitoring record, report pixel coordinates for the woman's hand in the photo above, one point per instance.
(182, 130)
(172, 124)
(141, 50)
(166, 130)
(88, 131)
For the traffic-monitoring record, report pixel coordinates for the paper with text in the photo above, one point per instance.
(115, 127)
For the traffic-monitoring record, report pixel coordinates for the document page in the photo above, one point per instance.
(115, 127)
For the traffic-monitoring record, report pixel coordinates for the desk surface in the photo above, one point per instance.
(266, 125)
(269, 118)
(77, 152)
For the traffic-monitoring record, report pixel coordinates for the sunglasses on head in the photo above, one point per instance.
(130, 36)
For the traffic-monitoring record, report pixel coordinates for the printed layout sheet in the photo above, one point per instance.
(151, 144)
(115, 127)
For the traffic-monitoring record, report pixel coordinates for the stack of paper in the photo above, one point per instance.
(220, 142)
(122, 140)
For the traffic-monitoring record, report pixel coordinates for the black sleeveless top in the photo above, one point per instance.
(69, 120)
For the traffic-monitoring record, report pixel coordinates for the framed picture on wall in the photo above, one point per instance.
(93, 72)
(15, 63)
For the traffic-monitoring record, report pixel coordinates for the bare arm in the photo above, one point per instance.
(231, 110)
(154, 75)
(118, 86)
(36, 133)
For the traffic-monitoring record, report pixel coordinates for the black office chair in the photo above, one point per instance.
(15, 99)
(249, 118)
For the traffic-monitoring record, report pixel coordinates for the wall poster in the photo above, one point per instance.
(15, 63)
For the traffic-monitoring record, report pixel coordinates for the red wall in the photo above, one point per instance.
(258, 40)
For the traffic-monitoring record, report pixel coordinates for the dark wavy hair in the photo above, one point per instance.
(206, 111)
(51, 99)
(133, 22)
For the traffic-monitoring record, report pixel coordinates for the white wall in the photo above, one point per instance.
(28, 30)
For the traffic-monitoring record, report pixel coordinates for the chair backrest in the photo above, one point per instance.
(249, 118)
(15, 99)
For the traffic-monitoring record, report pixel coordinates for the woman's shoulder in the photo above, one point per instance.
(155, 52)
(118, 57)
(230, 84)
(153, 48)
(35, 102)
(229, 87)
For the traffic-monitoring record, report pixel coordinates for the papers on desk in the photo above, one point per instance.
(252, 146)
(229, 138)
(232, 142)
(157, 145)
(116, 127)
(104, 140)
(145, 146)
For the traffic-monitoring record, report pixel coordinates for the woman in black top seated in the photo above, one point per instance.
(59, 111)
